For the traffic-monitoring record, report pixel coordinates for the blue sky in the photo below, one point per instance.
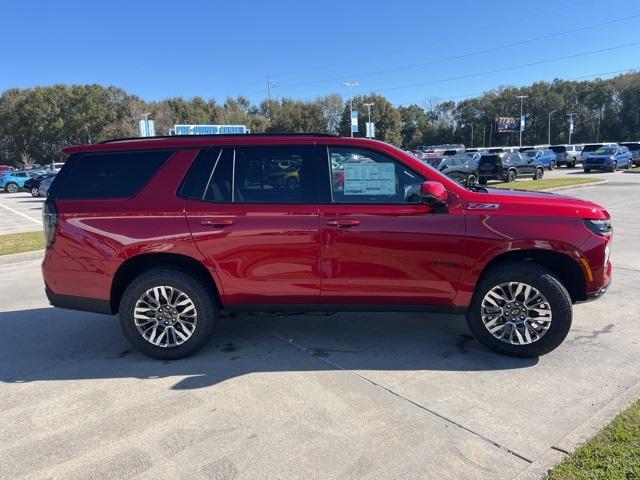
(404, 49)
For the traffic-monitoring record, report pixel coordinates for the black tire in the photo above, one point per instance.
(587, 170)
(203, 299)
(614, 167)
(541, 279)
(511, 176)
(471, 180)
(34, 192)
(539, 174)
(552, 165)
(571, 164)
(11, 187)
(482, 181)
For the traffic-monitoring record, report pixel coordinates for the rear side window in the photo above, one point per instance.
(110, 175)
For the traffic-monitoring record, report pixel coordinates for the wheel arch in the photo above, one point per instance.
(567, 269)
(139, 264)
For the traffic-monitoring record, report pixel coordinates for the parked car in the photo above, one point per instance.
(6, 168)
(43, 188)
(13, 181)
(544, 156)
(634, 148)
(508, 167)
(608, 158)
(463, 168)
(567, 155)
(32, 184)
(181, 234)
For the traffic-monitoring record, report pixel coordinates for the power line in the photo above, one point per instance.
(465, 55)
(505, 69)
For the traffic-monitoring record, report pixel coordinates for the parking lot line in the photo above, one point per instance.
(38, 222)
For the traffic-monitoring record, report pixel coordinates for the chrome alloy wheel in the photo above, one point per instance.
(165, 316)
(516, 313)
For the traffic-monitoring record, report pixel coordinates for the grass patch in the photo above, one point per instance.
(21, 242)
(614, 453)
(546, 183)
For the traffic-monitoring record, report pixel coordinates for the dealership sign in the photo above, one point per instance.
(208, 129)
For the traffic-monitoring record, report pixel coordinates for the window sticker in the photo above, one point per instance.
(369, 179)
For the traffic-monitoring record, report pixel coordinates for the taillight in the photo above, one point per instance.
(49, 222)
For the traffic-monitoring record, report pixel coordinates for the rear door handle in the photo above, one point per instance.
(217, 222)
(343, 222)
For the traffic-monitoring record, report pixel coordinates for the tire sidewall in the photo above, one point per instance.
(548, 285)
(12, 188)
(206, 308)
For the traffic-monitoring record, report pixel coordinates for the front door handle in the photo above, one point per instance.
(343, 222)
(217, 222)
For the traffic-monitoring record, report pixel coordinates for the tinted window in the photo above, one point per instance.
(219, 184)
(365, 176)
(274, 175)
(606, 151)
(199, 174)
(110, 175)
(559, 149)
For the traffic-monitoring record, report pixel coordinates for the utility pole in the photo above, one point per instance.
(570, 115)
(484, 133)
(350, 86)
(549, 136)
(369, 105)
(521, 97)
(270, 83)
(599, 120)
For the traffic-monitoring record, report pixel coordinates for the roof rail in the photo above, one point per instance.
(271, 134)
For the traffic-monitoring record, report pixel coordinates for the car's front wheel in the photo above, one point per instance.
(520, 309)
(167, 313)
(472, 180)
(614, 166)
(539, 174)
(552, 165)
(511, 176)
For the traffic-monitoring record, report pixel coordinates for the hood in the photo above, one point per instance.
(545, 203)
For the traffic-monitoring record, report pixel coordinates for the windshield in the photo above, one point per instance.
(531, 153)
(606, 151)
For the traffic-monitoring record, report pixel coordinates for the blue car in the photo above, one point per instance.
(607, 158)
(13, 182)
(544, 156)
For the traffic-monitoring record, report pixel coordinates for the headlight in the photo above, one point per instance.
(599, 227)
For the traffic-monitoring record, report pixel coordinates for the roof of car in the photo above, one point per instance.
(199, 141)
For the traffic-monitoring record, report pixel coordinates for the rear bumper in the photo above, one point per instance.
(84, 304)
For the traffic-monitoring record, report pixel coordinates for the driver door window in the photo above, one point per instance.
(364, 176)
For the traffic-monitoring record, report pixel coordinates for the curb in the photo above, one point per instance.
(21, 257)
(579, 435)
(570, 187)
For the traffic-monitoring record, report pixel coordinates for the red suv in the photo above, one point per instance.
(172, 231)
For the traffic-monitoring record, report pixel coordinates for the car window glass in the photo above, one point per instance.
(274, 174)
(196, 180)
(365, 176)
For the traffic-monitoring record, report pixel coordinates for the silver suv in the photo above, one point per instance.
(567, 155)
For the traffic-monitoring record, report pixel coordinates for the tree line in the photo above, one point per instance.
(35, 123)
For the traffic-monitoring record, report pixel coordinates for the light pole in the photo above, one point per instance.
(521, 97)
(550, 113)
(270, 84)
(369, 105)
(570, 115)
(350, 86)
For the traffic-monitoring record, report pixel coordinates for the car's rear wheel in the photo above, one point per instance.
(572, 164)
(539, 174)
(12, 187)
(520, 309)
(511, 176)
(472, 180)
(482, 181)
(587, 170)
(34, 192)
(167, 313)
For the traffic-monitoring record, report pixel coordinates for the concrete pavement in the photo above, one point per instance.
(20, 212)
(374, 396)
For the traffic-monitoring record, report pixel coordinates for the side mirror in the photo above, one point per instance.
(433, 194)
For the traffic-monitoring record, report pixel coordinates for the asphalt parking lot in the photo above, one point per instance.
(376, 396)
(20, 212)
